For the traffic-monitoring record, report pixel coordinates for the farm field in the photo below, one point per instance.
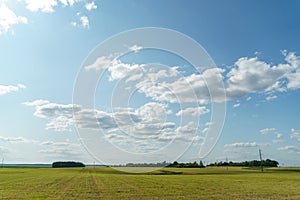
(167, 183)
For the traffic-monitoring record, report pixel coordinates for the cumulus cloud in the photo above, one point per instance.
(8, 18)
(143, 129)
(295, 134)
(267, 130)
(291, 149)
(293, 77)
(135, 48)
(193, 111)
(248, 76)
(17, 140)
(182, 134)
(38, 102)
(145, 120)
(85, 21)
(242, 144)
(271, 97)
(101, 63)
(48, 6)
(38, 5)
(252, 76)
(185, 133)
(193, 88)
(4, 89)
(90, 6)
(236, 105)
(68, 2)
(11, 139)
(60, 115)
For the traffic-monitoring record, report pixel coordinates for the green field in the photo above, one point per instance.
(167, 183)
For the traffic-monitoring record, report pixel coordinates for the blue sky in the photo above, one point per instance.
(45, 44)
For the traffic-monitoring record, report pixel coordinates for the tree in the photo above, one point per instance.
(61, 164)
(201, 165)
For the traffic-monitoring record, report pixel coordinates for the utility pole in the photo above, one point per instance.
(261, 164)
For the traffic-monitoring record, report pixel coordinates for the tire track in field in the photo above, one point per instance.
(90, 189)
(24, 187)
(47, 188)
(62, 188)
(117, 187)
(82, 186)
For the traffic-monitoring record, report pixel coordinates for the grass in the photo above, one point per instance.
(167, 183)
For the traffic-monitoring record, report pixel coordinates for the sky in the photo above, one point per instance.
(102, 81)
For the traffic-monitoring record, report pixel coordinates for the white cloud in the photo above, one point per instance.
(271, 97)
(236, 105)
(145, 120)
(292, 59)
(278, 135)
(267, 130)
(101, 63)
(42, 5)
(249, 75)
(209, 123)
(21, 86)
(294, 80)
(53, 110)
(153, 111)
(193, 88)
(193, 111)
(293, 77)
(74, 24)
(242, 144)
(291, 149)
(135, 48)
(142, 129)
(4, 89)
(295, 134)
(9, 18)
(84, 21)
(121, 70)
(68, 2)
(254, 76)
(205, 130)
(90, 6)
(17, 140)
(38, 102)
(60, 116)
(186, 133)
(117, 69)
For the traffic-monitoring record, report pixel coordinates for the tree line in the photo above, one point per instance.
(252, 163)
(175, 164)
(165, 164)
(61, 164)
